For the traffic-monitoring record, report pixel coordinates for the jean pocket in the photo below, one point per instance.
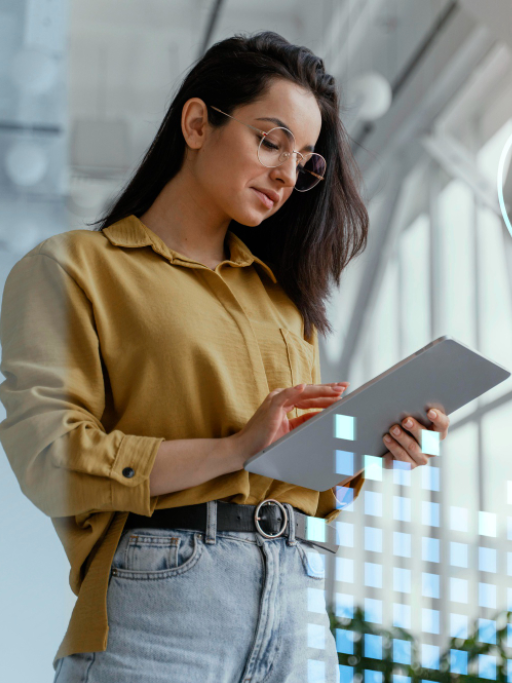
(145, 554)
(312, 560)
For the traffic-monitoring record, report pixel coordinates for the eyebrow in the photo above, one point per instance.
(278, 122)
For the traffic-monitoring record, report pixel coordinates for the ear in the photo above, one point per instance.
(194, 122)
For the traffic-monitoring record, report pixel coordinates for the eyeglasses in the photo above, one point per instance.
(276, 147)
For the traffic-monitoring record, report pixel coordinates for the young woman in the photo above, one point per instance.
(147, 360)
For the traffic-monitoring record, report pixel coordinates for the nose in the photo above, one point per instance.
(287, 171)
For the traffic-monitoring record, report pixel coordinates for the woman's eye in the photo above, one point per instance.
(268, 144)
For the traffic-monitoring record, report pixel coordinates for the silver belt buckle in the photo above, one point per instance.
(268, 501)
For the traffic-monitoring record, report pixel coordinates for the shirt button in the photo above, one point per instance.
(128, 472)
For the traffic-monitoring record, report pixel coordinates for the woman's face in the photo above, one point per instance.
(226, 166)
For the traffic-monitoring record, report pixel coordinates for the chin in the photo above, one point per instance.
(250, 220)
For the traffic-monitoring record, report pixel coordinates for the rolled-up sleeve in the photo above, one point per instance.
(331, 502)
(54, 396)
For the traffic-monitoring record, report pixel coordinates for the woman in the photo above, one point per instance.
(147, 360)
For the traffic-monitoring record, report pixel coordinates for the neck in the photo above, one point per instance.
(188, 221)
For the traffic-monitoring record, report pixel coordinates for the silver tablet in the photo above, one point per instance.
(329, 448)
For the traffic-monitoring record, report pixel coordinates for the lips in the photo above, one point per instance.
(268, 197)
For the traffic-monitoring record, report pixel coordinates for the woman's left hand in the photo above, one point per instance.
(406, 445)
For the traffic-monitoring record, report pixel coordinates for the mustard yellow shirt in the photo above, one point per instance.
(113, 342)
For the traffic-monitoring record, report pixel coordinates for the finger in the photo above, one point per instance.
(296, 421)
(440, 421)
(409, 444)
(399, 453)
(388, 461)
(308, 395)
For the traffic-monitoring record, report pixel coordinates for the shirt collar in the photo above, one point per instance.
(131, 232)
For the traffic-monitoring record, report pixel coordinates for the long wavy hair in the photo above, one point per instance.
(311, 239)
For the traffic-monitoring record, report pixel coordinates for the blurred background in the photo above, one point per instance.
(422, 583)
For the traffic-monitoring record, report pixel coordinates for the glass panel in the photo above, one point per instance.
(415, 295)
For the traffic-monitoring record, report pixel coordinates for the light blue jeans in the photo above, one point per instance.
(215, 607)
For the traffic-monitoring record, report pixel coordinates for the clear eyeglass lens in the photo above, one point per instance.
(275, 148)
(311, 170)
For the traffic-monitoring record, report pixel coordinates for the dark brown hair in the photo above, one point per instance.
(311, 239)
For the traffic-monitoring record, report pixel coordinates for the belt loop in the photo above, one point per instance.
(291, 525)
(211, 521)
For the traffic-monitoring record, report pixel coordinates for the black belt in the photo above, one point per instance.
(269, 518)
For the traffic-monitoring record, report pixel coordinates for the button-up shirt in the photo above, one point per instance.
(111, 343)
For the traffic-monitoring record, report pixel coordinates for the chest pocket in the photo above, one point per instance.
(288, 359)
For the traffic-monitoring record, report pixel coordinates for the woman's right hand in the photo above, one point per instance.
(270, 423)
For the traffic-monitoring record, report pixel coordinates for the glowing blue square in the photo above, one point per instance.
(459, 662)
(316, 671)
(509, 670)
(346, 673)
(487, 631)
(373, 676)
(316, 636)
(430, 478)
(402, 508)
(509, 599)
(430, 513)
(345, 427)
(316, 600)
(344, 605)
(458, 554)
(459, 626)
(345, 641)
(401, 473)
(458, 590)
(430, 549)
(486, 523)
(430, 656)
(402, 651)
(509, 528)
(401, 615)
(373, 610)
(399, 678)
(345, 534)
(509, 564)
(487, 559)
(372, 575)
(430, 620)
(344, 498)
(401, 580)
(487, 666)
(315, 529)
(487, 596)
(344, 569)
(373, 467)
(344, 462)
(430, 585)
(430, 443)
(401, 544)
(373, 539)
(373, 646)
(373, 503)
(509, 636)
(458, 518)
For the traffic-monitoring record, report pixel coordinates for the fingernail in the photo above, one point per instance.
(387, 438)
(408, 423)
(432, 413)
(298, 386)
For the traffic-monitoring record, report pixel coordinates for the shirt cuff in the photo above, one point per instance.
(130, 474)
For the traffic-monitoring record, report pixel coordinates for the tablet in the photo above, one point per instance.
(329, 448)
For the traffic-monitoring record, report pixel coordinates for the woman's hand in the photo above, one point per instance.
(405, 446)
(270, 423)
